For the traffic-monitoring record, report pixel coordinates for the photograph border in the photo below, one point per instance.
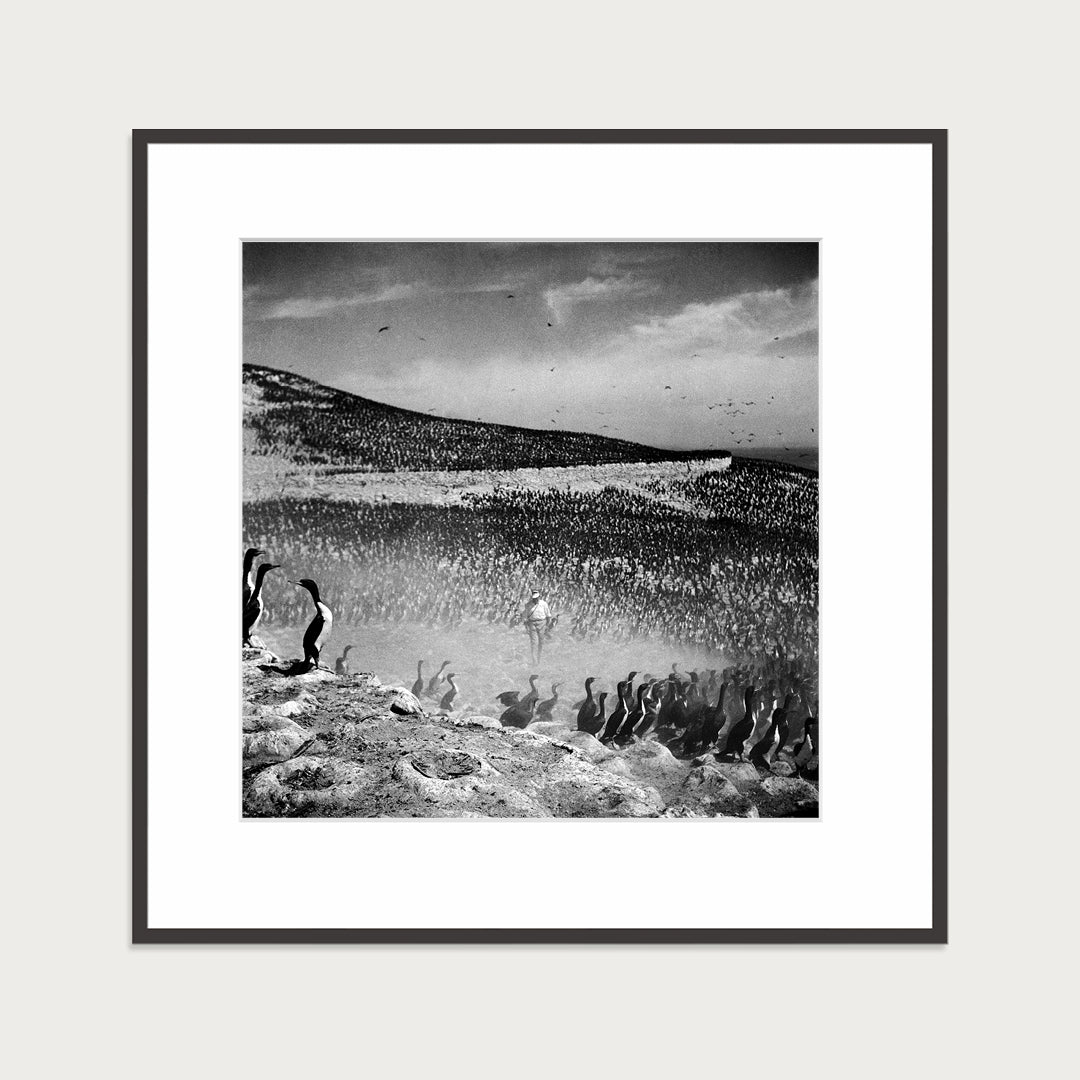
(141, 933)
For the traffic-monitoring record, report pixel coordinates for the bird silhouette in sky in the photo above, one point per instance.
(552, 369)
(549, 324)
(382, 328)
(667, 387)
(509, 296)
(776, 339)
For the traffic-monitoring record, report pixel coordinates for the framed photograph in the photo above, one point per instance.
(570, 476)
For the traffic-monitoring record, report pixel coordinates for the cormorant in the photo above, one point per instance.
(587, 708)
(533, 695)
(741, 729)
(341, 665)
(433, 682)
(418, 686)
(543, 709)
(447, 702)
(519, 715)
(759, 754)
(253, 609)
(318, 632)
(618, 715)
(249, 560)
(596, 721)
(633, 717)
(714, 719)
(651, 701)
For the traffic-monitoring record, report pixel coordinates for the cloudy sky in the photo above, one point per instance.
(512, 332)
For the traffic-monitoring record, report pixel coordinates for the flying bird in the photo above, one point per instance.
(667, 387)
(549, 324)
(509, 296)
(382, 328)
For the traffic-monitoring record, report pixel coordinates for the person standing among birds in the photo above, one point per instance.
(535, 615)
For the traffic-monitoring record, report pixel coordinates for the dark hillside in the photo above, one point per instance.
(312, 424)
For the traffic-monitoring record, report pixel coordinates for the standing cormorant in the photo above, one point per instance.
(533, 694)
(341, 664)
(714, 719)
(618, 715)
(418, 686)
(253, 609)
(806, 757)
(759, 754)
(633, 717)
(318, 632)
(543, 709)
(596, 721)
(447, 702)
(249, 560)
(587, 710)
(651, 701)
(433, 682)
(741, 729)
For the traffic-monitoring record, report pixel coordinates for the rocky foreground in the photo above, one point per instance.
(319, 745)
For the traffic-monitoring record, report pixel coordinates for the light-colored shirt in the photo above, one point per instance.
(537, 611)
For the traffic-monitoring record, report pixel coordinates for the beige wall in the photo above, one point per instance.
(77, 78)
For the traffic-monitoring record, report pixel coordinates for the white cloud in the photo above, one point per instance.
(561, 299)
(744, 321)
(317, 307)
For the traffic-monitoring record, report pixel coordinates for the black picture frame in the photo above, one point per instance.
(142, 933)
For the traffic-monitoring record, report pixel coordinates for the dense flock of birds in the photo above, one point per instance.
(760, 714)
(312, 424)
(770, 496)
(610, 564)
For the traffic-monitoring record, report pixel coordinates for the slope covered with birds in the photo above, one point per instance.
(308, 423)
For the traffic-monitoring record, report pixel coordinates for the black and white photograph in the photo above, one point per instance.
(530, 529)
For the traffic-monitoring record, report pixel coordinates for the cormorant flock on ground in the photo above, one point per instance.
(760, 713)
